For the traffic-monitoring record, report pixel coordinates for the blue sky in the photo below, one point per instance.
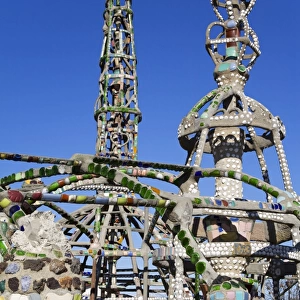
(49, 74)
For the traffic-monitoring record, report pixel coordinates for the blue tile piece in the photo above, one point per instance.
(239, 295)
(219, 202)
(246, 296)
(233, 219)
(219, 296)
(231, 24)
(14, 209)
(198, 174)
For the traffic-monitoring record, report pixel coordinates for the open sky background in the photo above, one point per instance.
(49, 74)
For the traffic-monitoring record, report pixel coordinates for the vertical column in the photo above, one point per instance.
(227, 147)
(227, 143)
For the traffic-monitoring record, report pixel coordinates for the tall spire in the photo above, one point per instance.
(117, 116)
(116, 109)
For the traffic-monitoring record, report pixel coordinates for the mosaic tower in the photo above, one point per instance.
(116, 109)
(134, 240)
(228, 124)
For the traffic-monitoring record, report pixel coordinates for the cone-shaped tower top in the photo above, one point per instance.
(116, 109)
